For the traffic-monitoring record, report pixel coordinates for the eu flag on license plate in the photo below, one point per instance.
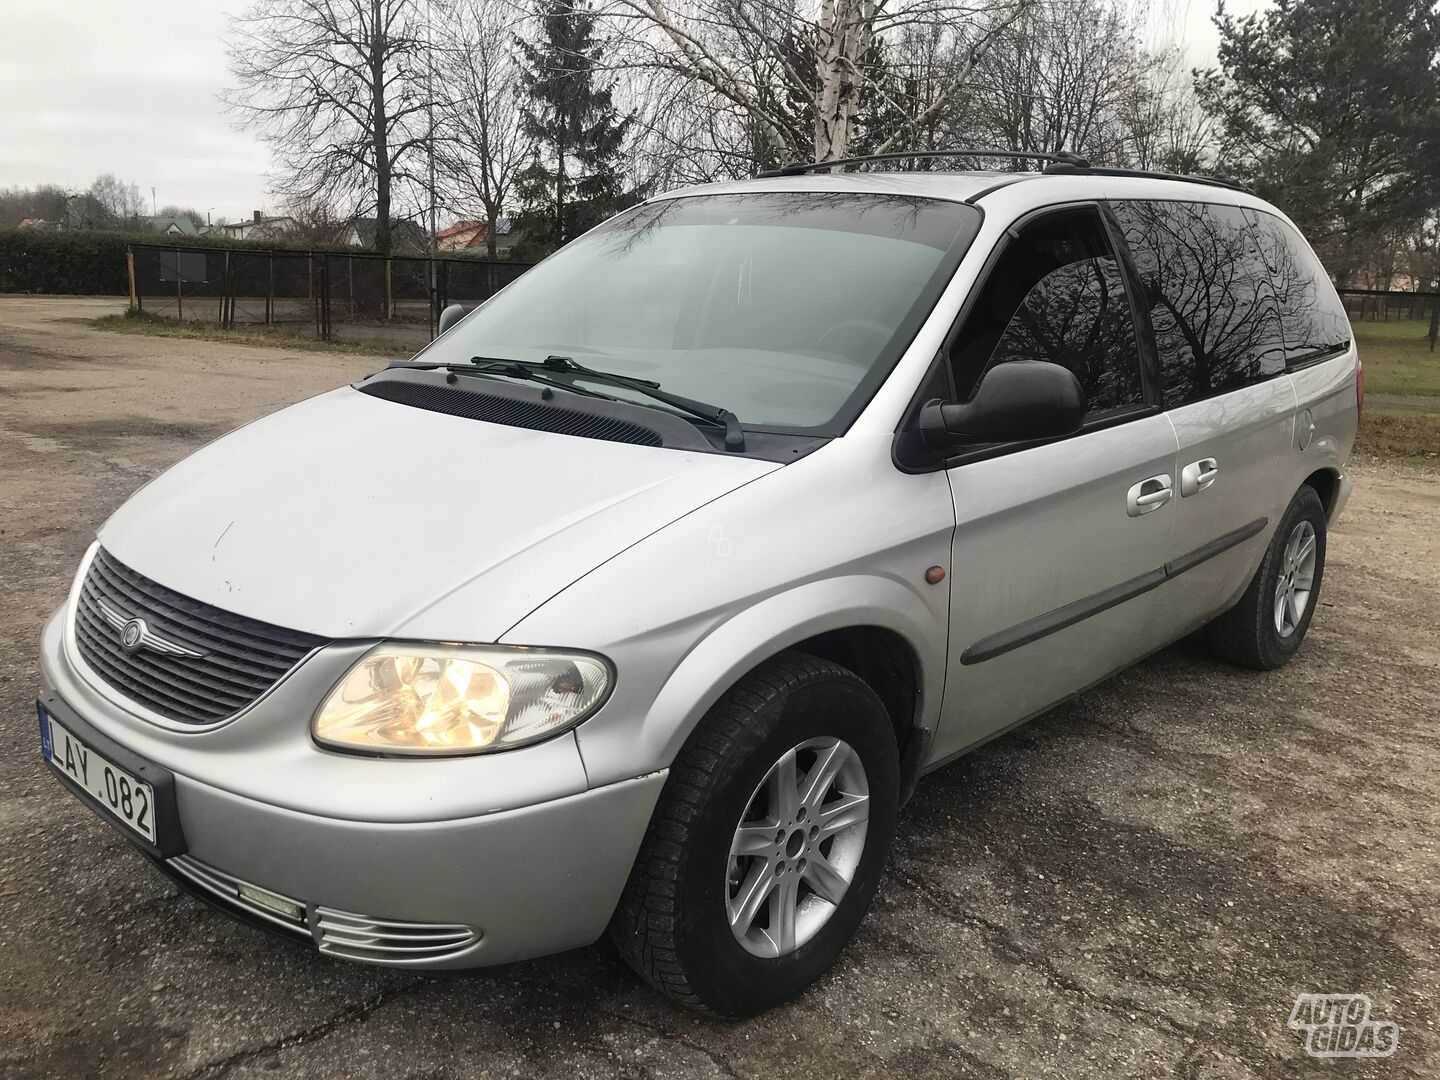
(44, 731)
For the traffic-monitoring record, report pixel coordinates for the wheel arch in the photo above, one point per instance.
(875, 627)
(886, 662)
(1326, 482)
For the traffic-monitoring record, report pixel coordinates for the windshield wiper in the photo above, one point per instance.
(486, 365)
(734, 433)
(564, 365)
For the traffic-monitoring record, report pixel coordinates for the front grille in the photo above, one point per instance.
(389, 941)
(200, 665)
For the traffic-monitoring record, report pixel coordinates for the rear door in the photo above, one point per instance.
(1319, 353)
(1216, 327)
(1057, 546)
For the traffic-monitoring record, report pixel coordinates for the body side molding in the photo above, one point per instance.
(1033, 629)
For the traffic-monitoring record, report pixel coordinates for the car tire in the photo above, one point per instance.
(1265, 629)
(725, 794)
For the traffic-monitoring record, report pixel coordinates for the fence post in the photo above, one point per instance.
(227, 315)
(269, 288)
(434, 275)
(179, 289)
(130, 273)
(1434, 322)
(325, 297)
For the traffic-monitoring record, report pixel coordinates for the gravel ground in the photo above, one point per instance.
(1137, 884)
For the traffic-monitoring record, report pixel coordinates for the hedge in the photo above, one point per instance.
(42, 261)
(92, 263)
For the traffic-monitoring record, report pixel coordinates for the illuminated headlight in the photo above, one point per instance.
(458, 699)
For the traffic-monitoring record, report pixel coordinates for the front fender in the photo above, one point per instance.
(656, 705)
(839, 539)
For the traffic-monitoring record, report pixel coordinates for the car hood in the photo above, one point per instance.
(350, 517)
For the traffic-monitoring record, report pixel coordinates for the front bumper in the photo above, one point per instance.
(478, 889)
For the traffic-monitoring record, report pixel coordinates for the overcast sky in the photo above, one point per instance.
(95, 86)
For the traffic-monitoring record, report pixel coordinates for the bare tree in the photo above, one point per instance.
(339, 90)
(795, 81)
(1058, 78)
(316, 221)
(113, 203)
(47, 202)
(481, 145)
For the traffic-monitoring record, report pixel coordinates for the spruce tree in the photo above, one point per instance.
(1331, 108)
(575, 181)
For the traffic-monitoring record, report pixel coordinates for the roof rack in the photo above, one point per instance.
(1063, 168)
(1061, 163)
(800, 168)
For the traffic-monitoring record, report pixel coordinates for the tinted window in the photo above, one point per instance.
(783, 307)
(1056, 294)
(1311, 315)
(1210, 301)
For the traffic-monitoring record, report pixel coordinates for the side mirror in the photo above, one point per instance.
(449, 317)
(1018, 401)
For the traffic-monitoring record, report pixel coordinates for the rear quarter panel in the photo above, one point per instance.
(1325, 397)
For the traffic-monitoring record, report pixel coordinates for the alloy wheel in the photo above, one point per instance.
(797, 847)
(1297, 579)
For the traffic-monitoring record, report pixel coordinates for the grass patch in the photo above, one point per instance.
(1397, 358)
(1408, 436)
(142, 322)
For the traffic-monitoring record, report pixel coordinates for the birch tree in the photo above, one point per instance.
(801, 73)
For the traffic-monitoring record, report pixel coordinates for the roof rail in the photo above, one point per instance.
(1065, 169)
(1061, 163)
(800, 168)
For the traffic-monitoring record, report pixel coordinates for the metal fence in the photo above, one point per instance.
(360, 297)
(1380, 305)
(1391, 305)
(334, 296)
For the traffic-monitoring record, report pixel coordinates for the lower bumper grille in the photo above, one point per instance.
(231, 892)
(359, 937)
(344, 934)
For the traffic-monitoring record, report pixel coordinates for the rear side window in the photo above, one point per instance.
(1311, 315)
(1056, 294)
(1208, 294)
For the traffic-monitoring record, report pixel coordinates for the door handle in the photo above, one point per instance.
(1198, 475)
(1149, 494)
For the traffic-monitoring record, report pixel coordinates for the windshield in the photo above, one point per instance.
(786, 308)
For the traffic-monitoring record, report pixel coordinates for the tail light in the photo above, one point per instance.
(1359, 387)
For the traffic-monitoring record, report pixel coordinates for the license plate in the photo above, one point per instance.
(120, 794)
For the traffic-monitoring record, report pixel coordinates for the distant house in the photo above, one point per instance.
(406, 238)
(171, 226)
(258, 227)
(470, 236)
(36, 223)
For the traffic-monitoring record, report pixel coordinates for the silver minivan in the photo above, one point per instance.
(644, 595)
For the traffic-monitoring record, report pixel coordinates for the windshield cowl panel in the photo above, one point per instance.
(787, 309)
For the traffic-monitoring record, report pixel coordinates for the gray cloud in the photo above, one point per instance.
(93, 86)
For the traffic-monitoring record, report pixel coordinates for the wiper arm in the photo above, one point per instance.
(515, 369)
(534, 371)
(734, 433)
(486, 365)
